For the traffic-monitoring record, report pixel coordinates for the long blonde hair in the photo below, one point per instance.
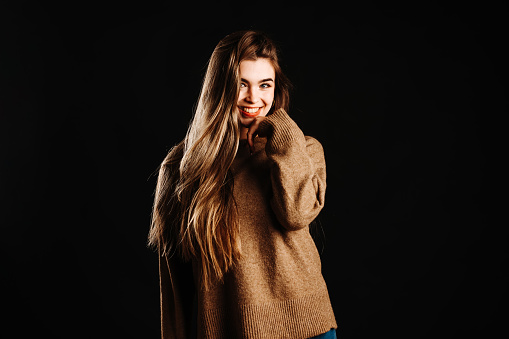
(194, 212)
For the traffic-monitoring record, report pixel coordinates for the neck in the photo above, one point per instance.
(243, 132)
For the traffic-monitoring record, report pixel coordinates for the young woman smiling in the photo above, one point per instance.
(232, 208)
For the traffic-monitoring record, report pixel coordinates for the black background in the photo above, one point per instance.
(407, 101)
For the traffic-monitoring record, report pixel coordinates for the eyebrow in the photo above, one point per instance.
(263, 80)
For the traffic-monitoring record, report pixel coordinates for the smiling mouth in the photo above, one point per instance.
(250, 111)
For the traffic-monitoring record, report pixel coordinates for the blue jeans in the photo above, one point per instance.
(327, 335)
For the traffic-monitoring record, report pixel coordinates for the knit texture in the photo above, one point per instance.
(276, 289)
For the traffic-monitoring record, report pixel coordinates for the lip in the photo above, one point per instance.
(250, 115)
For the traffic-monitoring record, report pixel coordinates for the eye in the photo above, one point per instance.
(242, 85)
(265, 85)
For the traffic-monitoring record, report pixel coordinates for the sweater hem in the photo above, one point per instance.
(295, 318)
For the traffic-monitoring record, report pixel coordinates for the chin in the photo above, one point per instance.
(245, 121)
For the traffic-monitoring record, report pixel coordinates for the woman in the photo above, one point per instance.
(232, 208)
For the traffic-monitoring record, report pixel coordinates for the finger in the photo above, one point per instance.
(252, 132)
(250, 139)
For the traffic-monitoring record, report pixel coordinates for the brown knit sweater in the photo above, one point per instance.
(276, 290)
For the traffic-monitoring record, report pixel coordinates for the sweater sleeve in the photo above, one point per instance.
(297, 169)
(176, 296)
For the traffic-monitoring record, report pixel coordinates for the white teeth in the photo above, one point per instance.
(250, 110)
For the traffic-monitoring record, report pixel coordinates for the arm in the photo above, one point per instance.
(176, 296)
(297, 171)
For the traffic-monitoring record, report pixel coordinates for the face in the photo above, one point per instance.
(257, 83)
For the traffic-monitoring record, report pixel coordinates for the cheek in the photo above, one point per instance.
(269, 97)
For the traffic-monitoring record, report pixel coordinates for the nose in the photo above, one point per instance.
(252, 95)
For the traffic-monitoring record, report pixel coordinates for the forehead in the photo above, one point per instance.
(260, 68)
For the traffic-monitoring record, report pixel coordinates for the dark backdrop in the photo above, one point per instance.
(405, 99)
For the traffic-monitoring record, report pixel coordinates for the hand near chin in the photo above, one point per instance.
(253, 131)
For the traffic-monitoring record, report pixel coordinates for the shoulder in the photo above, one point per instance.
(313, 145)
(174, 155)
